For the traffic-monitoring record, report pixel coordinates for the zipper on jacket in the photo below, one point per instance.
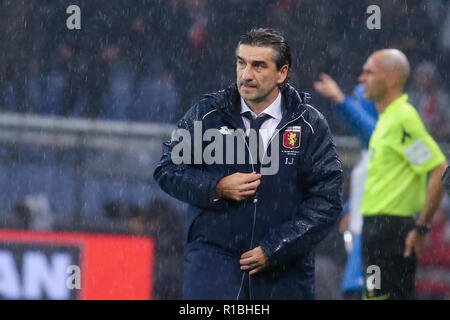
(255, 199)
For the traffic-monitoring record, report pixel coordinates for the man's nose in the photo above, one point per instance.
(361, 78)
(247, 74)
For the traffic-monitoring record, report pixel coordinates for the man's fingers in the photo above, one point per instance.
(239, 186)
(255, 270)
(324, 77)
(248, 266)
(247, 193)
(407, 251)
(248, 261)
(251, 260)
(318, 86)
(250, 177)
(409, 244)
(249, 186)
(242, 195)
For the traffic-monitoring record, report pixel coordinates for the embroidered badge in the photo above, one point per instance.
(292, 137)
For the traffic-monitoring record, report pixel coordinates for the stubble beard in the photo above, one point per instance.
(260, 98)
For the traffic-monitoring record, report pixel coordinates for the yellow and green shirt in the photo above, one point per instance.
(401, 153)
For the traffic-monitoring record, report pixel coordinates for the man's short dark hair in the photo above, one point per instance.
(263, 37)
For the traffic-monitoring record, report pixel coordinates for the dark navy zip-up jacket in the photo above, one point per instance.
(291, 213)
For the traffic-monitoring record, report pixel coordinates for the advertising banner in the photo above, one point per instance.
(63, 265)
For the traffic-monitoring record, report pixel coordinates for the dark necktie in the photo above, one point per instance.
(256, 123)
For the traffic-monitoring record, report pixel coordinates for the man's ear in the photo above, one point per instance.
(283, 72)
(395, 77)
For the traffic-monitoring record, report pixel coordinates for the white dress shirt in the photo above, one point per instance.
(268, 127)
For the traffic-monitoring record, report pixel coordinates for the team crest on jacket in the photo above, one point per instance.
(292, 137)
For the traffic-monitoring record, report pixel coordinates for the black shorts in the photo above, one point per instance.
(383, 243)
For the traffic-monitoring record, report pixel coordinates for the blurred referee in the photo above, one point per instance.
(398, 204)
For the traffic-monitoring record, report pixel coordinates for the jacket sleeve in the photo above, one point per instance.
(187, 181)
(321, 205)
(359, 120)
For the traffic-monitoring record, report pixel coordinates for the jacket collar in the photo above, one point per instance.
(273, 110)
(227, 103)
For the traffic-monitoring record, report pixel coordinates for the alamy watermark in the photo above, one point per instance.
(234, 152)
(373, 280)
(374, 20)
(74, 280)
(73, 22)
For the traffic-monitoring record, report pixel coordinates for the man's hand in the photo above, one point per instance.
(254, 260)
(435, 192)
(344, 223)
(414, 241)
(238, 186)
(327, 87)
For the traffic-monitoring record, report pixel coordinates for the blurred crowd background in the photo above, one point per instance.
(150, 60)
(126, 52)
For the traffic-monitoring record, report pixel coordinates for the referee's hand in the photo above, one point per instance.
(414, 241)
(328, 88)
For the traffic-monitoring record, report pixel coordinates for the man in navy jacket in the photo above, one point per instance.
(252, 224)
